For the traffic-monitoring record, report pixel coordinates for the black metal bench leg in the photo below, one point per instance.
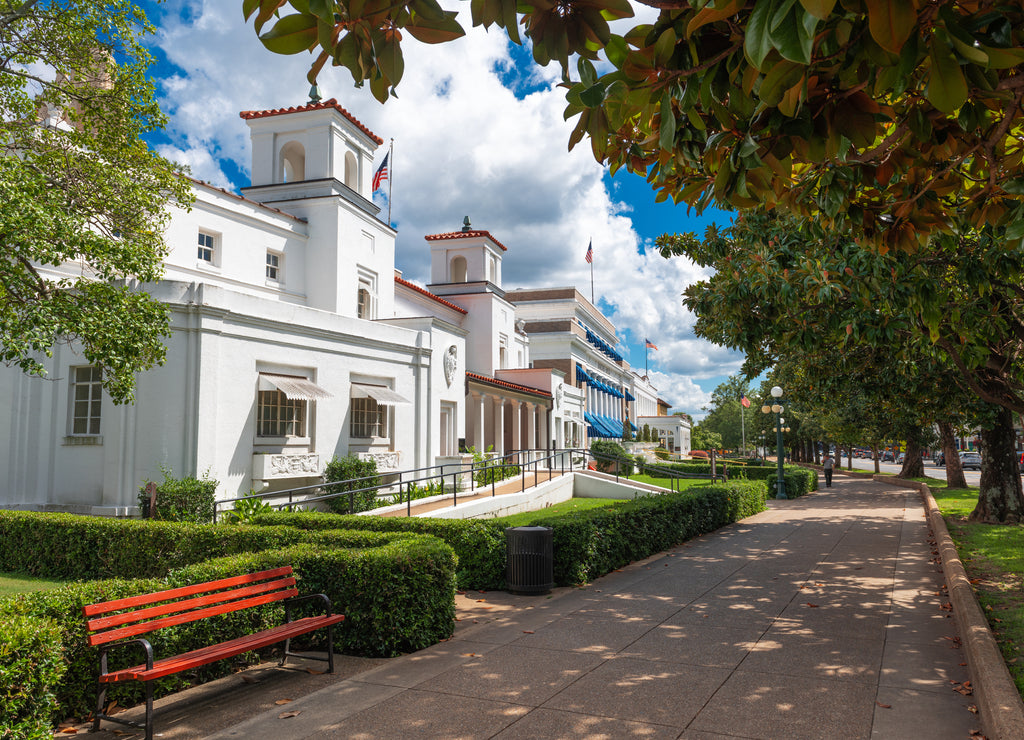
(284, 654)
(101, 695)
(149, 710)
(330, 648)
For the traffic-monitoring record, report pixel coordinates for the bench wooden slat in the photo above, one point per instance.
(105, 607)
(142, 615)
(213, 653)
(210, 611)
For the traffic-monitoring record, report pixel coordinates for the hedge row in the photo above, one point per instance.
(68, 546)
(587, 544)
(31, 666)
(407, 606)
(799, 480)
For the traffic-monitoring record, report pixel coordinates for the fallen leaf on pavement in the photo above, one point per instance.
(246, 678)
(884, 706)
(813, 606)
(283, 701)
(286, 715)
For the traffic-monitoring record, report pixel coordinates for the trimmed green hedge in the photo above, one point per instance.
(31, 665)
(591, 543)
(475, 541)
(70, 546)
(587, 544)
(799, 480)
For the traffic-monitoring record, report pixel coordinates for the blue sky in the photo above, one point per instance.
(478, 131)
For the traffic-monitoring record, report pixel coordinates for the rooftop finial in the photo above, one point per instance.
(315, 96)
(466, 226)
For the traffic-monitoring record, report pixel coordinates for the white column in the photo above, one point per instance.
(531, 425)
(517, 432)
(499, 425)
(480, 417)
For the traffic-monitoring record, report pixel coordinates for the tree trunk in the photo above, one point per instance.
(849, 457)
(913, 467)
(954, 473)
(874, 456)
(817, 452)
(1000, 499)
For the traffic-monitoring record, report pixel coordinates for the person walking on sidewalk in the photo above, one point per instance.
(828, 464)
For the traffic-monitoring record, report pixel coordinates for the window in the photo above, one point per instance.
(273, 265)
(280, 416)
(86, 400)
(369, 418)
(206, 243)
(366, 296)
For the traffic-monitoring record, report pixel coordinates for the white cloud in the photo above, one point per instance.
(465, 144)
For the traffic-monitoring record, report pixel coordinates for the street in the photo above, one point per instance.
(931, 470)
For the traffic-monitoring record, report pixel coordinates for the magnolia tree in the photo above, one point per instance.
(884, 118)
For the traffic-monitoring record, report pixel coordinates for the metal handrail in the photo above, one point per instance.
(552, 459)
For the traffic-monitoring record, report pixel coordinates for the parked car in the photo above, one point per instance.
(939, 458)
(970, 461)
(1020, 460)
(887, 456)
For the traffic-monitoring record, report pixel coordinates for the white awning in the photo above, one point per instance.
(294, 388)
(380, 394)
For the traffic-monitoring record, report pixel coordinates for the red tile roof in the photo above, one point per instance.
(331, 103)
(465, 235)
(428, 294)
(506, 384)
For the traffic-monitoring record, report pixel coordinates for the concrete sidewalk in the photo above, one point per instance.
(824, 617)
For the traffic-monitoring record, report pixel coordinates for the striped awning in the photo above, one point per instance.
(293, 387)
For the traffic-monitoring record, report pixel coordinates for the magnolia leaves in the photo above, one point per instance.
(364, 36)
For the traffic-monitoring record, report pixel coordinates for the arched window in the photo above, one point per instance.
(351, 171)
(293, 162)
(459, 270)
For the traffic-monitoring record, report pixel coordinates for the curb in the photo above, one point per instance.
(999, 703)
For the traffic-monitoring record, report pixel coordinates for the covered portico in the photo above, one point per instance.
(505, 417)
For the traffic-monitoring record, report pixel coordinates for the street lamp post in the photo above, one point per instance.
(777, 409)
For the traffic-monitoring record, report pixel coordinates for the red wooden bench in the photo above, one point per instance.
(114, 624)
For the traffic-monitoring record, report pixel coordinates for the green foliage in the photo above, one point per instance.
(474, 540)
(498, 471)
(89, 191)
(69, 546)
(31, 665)
(646, 434)
(181, 500)
(591, 543)
(359, 474)
(245, 510)
(627, 431)
(705, 439)
(611, 456)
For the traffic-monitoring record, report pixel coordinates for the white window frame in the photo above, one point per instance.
(208, 241)
(369, 419)
(366, 295)
(275, 264)
(291, 416)
(85, 402)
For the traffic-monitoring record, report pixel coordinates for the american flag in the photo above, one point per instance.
(382, 173)
(649, 344)
(745, 401)
(590, 252)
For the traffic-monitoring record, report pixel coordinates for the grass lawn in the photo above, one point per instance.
(993, 556)
(573, 504)
(680, 483)
(19, 583)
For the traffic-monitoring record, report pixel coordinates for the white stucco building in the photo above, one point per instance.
(294, 339)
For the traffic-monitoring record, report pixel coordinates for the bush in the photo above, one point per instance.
(180, 500)
(611, 456)
(245, 509)
(493, 474)
(351, 468)
(69, 546)
(479, 544)
(31, 666)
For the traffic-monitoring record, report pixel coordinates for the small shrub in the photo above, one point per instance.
(493, 473)
(244, 510)
(611, 456)
(180, 500)
(359, 474)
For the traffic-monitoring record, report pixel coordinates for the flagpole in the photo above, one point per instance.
(592, 275)
(391, 179)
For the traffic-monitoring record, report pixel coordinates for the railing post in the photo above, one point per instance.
(408, 497)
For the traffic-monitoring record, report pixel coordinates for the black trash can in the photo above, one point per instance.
(530, 563)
